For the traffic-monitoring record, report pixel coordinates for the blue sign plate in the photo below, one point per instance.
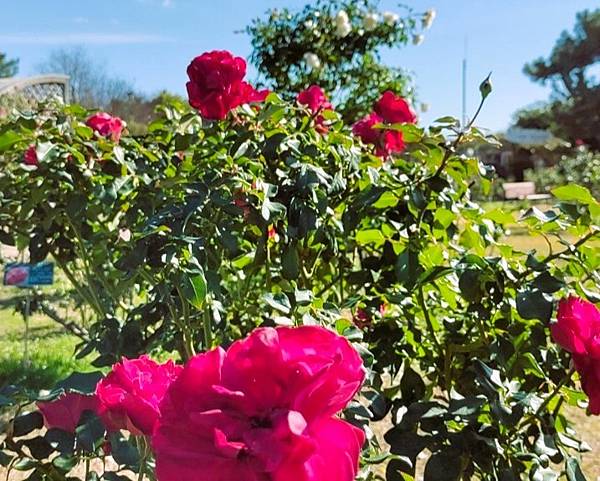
(28, 275)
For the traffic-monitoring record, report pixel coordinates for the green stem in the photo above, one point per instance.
(426, 314)
(82, 292)
(143, 450)
(551, 396)
(87, 265)
(207, 329)
(188, 337)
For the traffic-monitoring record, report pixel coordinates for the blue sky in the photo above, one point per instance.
(150, 42)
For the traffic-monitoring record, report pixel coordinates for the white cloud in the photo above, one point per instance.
(81, 38)
(81, 20)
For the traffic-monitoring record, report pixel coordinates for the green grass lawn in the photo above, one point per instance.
(51, 350)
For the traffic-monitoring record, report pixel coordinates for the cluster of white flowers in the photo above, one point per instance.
(390, 18)
(342, 24)
(370, 21)
(312, 60)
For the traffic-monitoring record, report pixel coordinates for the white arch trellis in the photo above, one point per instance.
(37, 89)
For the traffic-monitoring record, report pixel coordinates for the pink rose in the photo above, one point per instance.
(394, 109)
(577, 328)
(386, 142)
(314, 98)
(264, 410)
(216, 84)
(30, 157)
(589, 373)
(106, 125)
(65, 412)
(364, 129)
(131, 393)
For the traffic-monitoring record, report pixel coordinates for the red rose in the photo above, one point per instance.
(131, 393)
(314, 98)
(589, 373)
(65, 412)
(364, 128)
(577, 330)
(106, 125)
(216, 84)
(394, 109)
(265, 409)
(391, 142)
(30, 157)
(386, 142)
(361, 319)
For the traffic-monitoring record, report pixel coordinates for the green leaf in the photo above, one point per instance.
(443, 466)
(8, 139)
(39, 447)
(81, 382)
(90, 433)
(65, 463)
(25, 464)
(26, 423)
(370, 236)
(412, 386)
(124, 450)
(573, 470)
(61, 441)
(279, 302)
(197, 290)
(290, 263)
(574, 192)
(387, 199)
(407, 268)
(546, 282)
(534, 304)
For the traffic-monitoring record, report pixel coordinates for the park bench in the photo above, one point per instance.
(521, 191)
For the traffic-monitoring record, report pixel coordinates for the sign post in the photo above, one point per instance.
(28, 276)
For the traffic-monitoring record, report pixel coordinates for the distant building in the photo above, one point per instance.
(521, 149)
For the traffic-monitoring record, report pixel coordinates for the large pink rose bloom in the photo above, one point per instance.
(64, 412)
(577, 327)
(263, 411)
(106, 125)
(217, 84)
(394, 109)
(131, 393)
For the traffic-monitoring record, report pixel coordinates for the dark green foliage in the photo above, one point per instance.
(575, 101)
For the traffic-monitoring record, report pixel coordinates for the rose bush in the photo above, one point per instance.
(197, 233)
